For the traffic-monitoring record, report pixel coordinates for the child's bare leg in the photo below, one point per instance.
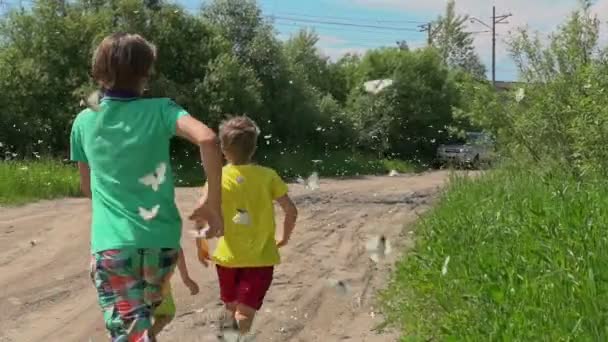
(229, 318)
(160, 322)
(244, 316)
(230, 307)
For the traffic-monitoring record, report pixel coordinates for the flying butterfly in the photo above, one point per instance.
(378, 248)
(311, 183)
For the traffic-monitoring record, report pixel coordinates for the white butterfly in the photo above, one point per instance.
(378, 248)
(393, 173)
(444, 269)
(520, 95)
(313, 181)
(148, 215)
(241, 217)
(156, 178)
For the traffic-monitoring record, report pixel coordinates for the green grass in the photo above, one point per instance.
(27, 181)
(23, 182)
(528, 261)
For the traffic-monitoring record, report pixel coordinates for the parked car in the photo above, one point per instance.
(475, 150)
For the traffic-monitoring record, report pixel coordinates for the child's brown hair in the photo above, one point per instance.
(123, 61)
(238, 136)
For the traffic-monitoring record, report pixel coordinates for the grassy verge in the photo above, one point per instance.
(513, 256)
(23, 182)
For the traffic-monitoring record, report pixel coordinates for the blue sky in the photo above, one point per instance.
(406, 15)
(403, 18)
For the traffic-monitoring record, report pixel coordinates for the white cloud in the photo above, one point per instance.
(334, 53)
(601, 9)
(335, 47)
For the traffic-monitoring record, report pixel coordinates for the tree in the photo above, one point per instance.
(344, 76)
(239, 21)
(454, 43)
(380, 63)
(45, 59)
(288, 98)
(559, 114)
(303, 55)
(224, 60)
(402, 44)
(408, 118)
(231, 88)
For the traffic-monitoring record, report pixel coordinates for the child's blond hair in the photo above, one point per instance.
(238, 136)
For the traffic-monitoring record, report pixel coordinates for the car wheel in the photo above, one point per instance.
(476, 163)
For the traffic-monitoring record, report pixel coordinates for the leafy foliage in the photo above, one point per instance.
(224, 60)
(559, 114)
(409, 118)
(519, 253)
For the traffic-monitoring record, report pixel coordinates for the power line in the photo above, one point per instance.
(381, 41)
(368, 33)
(351, 18)
(431, 31)
(337, 23)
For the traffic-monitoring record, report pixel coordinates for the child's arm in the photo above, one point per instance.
(289, 223)
(211, 156)
(183, 272)
(85, 179)
(201, 221)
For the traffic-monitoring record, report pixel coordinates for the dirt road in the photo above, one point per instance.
(45, 292)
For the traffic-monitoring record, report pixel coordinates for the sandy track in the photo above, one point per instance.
(45, 292)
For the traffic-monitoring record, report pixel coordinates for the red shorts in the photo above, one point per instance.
(244, 285)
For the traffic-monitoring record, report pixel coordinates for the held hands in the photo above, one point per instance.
(206, 213)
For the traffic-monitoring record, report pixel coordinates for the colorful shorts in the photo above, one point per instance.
(244, 285)
(128, 283)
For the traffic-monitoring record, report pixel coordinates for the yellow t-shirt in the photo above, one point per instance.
(248, 193)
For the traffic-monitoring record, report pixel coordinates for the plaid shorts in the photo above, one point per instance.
(128, 283)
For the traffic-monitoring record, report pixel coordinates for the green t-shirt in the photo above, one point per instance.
(126, 145)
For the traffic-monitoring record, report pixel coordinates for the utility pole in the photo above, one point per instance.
(428, 28)
(493, 45)
(501, 19)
